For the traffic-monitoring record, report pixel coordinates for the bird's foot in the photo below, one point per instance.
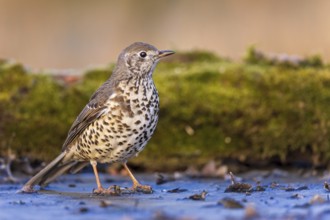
(99, 190)
(117, 191)
(112, 190)
(142, 188)
(135, 189)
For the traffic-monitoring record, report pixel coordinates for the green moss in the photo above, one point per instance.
(211, 108)
(254, 56)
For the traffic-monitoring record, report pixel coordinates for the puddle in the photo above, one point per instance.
(71, 198)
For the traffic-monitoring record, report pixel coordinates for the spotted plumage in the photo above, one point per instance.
(123, 131)
(117, 122)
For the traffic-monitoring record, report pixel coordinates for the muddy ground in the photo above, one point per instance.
(272, 194)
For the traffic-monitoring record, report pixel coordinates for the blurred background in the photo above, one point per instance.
(79, 33)
(222, 101)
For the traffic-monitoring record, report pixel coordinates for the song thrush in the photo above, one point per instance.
(117, 122)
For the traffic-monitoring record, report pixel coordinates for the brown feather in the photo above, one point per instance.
(92, 111)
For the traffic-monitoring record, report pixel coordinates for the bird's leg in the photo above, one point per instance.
(99, 189)
(113, 190)
(136, 185)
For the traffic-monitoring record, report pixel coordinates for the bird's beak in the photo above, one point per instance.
(165, 53)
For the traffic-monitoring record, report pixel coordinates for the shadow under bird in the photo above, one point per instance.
(117, 122)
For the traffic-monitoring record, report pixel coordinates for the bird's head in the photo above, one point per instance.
(141, 58)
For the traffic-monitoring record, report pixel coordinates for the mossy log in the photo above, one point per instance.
(211, 108)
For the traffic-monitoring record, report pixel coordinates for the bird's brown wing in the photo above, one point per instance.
(95, 109)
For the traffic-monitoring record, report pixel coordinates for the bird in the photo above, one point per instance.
(117, 122)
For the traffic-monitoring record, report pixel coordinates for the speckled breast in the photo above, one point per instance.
(127, 127)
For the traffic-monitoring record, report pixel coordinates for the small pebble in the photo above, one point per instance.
(200, 196)
(83, 210)
(230, 203)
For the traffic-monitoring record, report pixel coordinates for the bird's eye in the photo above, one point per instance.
(143, 54)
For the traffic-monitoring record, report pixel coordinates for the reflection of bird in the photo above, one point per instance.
(116, 124)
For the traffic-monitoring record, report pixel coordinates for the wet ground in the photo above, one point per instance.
(257, 195)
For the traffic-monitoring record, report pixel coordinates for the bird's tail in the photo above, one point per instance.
(53, 170)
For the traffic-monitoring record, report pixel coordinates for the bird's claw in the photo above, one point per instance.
(112, 191)
(117, 191)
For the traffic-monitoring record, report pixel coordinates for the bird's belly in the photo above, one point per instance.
(115, 139)
(124, 131)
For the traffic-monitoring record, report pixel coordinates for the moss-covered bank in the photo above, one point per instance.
(255, 110)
